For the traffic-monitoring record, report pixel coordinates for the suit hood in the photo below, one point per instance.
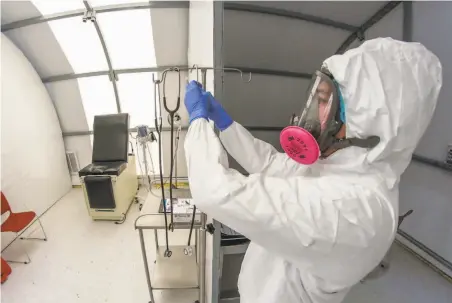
(390, 89)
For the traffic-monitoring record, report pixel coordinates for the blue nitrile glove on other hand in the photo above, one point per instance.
(196, 101)
(217, 114)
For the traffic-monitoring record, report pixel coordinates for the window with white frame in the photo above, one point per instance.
(97, 96)
(129, 39)
(136, 92)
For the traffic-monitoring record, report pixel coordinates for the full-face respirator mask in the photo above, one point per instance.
(313, 132)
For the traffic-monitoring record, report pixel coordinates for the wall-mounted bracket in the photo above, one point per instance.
(89, 15)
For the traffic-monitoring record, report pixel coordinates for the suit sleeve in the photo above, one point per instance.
(288, 216)
(257, 156)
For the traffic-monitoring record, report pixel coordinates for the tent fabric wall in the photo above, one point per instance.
(34, 172)
(425, 189)
(255, 40)
(39, 45)
(350, 12)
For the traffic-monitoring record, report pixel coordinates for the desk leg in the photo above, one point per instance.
(156, 240)
(146, 266)
(202, 263)
(196, 244)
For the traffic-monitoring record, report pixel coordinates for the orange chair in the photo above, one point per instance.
(17, 222)
(5, 269)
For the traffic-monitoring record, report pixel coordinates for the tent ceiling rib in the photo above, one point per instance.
(260, 71)
(98, 10)
(282, 73)
(106, 72)
(111, 72)
(388, 7)
(288, 14)
(359, 34)
(131, 130)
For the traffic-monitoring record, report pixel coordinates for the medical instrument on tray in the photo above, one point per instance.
(188, 251)
(171, 113)
(158, 127)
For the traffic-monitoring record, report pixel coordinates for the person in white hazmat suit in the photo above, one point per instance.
(316, 230)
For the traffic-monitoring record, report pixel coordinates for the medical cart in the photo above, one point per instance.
(180, 271)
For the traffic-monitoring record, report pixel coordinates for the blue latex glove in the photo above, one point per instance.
(196, 101)
(217, 114)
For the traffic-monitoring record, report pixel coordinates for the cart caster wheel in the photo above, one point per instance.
(168, 253)
(21, 238)
(140, 207)
(188, 251)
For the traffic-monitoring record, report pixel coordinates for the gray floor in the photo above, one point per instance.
(98, 262)
(408, 281)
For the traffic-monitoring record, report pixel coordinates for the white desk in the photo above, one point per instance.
(178, 271)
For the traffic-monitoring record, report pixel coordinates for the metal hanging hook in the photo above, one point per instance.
(158, 81)
(195, 66)
(171, 111)
(232, 69)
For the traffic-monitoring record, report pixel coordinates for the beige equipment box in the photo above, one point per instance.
(123, 188)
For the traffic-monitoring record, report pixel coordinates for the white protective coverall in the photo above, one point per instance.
(318, 230)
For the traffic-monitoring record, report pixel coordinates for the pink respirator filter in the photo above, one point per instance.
(299, 144)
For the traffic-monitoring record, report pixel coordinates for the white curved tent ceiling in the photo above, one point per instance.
(98, 57)
(105, 66)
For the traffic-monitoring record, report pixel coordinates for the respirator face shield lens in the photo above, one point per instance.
(303, 140)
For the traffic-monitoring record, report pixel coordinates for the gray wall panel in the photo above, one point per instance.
(264, 41)
(266, 100)
(425, 189)
(353, 12)
(428, 192)
(432, 27)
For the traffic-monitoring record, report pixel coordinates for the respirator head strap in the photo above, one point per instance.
(369, 142)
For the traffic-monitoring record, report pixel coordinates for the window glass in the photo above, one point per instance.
(80, 43)
(98, 97)
(48, 7)
(128, 36)
(136, 94)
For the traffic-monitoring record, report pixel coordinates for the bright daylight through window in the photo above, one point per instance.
(97, 96)
(130, 45)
